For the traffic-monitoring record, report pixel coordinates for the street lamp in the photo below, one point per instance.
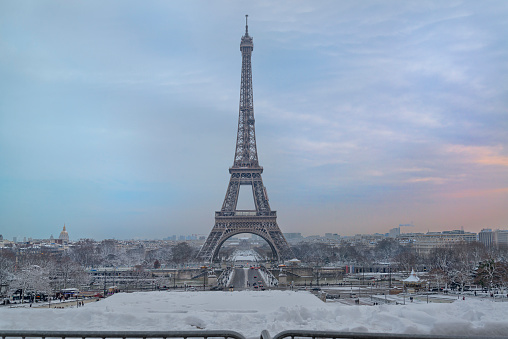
(172, 275)
(390, 273)
(428, 287)
(104, 275)
(204, 277)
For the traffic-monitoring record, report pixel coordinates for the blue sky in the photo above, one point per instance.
(119, 118)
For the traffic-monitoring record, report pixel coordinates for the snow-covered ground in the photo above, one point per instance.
(245, 256)
(250, 312)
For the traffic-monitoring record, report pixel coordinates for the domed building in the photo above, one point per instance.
(64, 236)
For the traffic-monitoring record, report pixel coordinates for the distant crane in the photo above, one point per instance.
(407, 225)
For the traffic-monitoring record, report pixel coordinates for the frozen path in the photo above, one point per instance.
(250, 312)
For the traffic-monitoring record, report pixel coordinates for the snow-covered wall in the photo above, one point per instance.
(250, 312)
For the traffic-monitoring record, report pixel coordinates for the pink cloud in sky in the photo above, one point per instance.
(483, 155)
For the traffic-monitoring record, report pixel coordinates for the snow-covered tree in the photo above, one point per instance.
(67, 273)
(32, 279)
(407, 259)
(439, 277)
(85, 252)
(492, 273)
(7, 261)
(441, 258)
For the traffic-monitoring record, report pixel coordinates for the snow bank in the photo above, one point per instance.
(250, 312)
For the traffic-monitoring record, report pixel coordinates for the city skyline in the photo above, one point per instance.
(399, 231)
(119, 119)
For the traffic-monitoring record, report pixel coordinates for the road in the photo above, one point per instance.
(244, 278)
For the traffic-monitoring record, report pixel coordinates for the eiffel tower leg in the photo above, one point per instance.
(209, 248)
(231, 198)
(260, 196)
(285, 252)
(264, 226)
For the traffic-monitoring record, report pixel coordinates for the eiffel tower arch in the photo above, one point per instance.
(246, 171)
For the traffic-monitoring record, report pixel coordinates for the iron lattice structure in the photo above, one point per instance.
(246, 171)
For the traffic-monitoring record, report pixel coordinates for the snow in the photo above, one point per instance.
(245, 256)
(250, 312)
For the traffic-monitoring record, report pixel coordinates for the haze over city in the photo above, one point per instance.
(119, 119)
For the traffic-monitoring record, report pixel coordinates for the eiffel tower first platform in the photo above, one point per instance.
(246, 171)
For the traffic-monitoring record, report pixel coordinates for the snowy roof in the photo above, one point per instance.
(412, 277)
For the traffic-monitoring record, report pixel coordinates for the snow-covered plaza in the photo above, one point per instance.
(250, 312)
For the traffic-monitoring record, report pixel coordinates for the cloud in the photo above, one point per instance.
(502, 192)
(356, 102)
(480, 155)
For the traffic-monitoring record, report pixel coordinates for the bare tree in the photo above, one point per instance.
(439, 276)
(407, 259)
(68, 273)
(85, 253)
(386, 250)
(183, 252)
(441, 258)
(492, 273)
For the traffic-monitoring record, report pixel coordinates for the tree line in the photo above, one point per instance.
(459, 264)
(24, 270)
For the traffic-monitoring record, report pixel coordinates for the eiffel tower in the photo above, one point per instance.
(246, 171)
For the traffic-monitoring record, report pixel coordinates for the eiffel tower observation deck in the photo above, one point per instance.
(246, 171)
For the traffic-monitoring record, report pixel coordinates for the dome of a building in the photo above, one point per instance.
(64, 236)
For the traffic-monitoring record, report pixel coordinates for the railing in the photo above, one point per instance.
(223, 334)
(358, 335)
(120, 334)
(245, 213)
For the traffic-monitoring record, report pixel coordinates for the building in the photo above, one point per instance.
(394, 232)
(5, 243)
(501, 238)
(293, 237)
(493, 238)
(64, 236)
(424, 243)
(486, 237)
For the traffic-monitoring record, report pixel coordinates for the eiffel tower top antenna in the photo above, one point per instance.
(246, 151)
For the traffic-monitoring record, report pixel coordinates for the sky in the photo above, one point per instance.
(119, 118)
